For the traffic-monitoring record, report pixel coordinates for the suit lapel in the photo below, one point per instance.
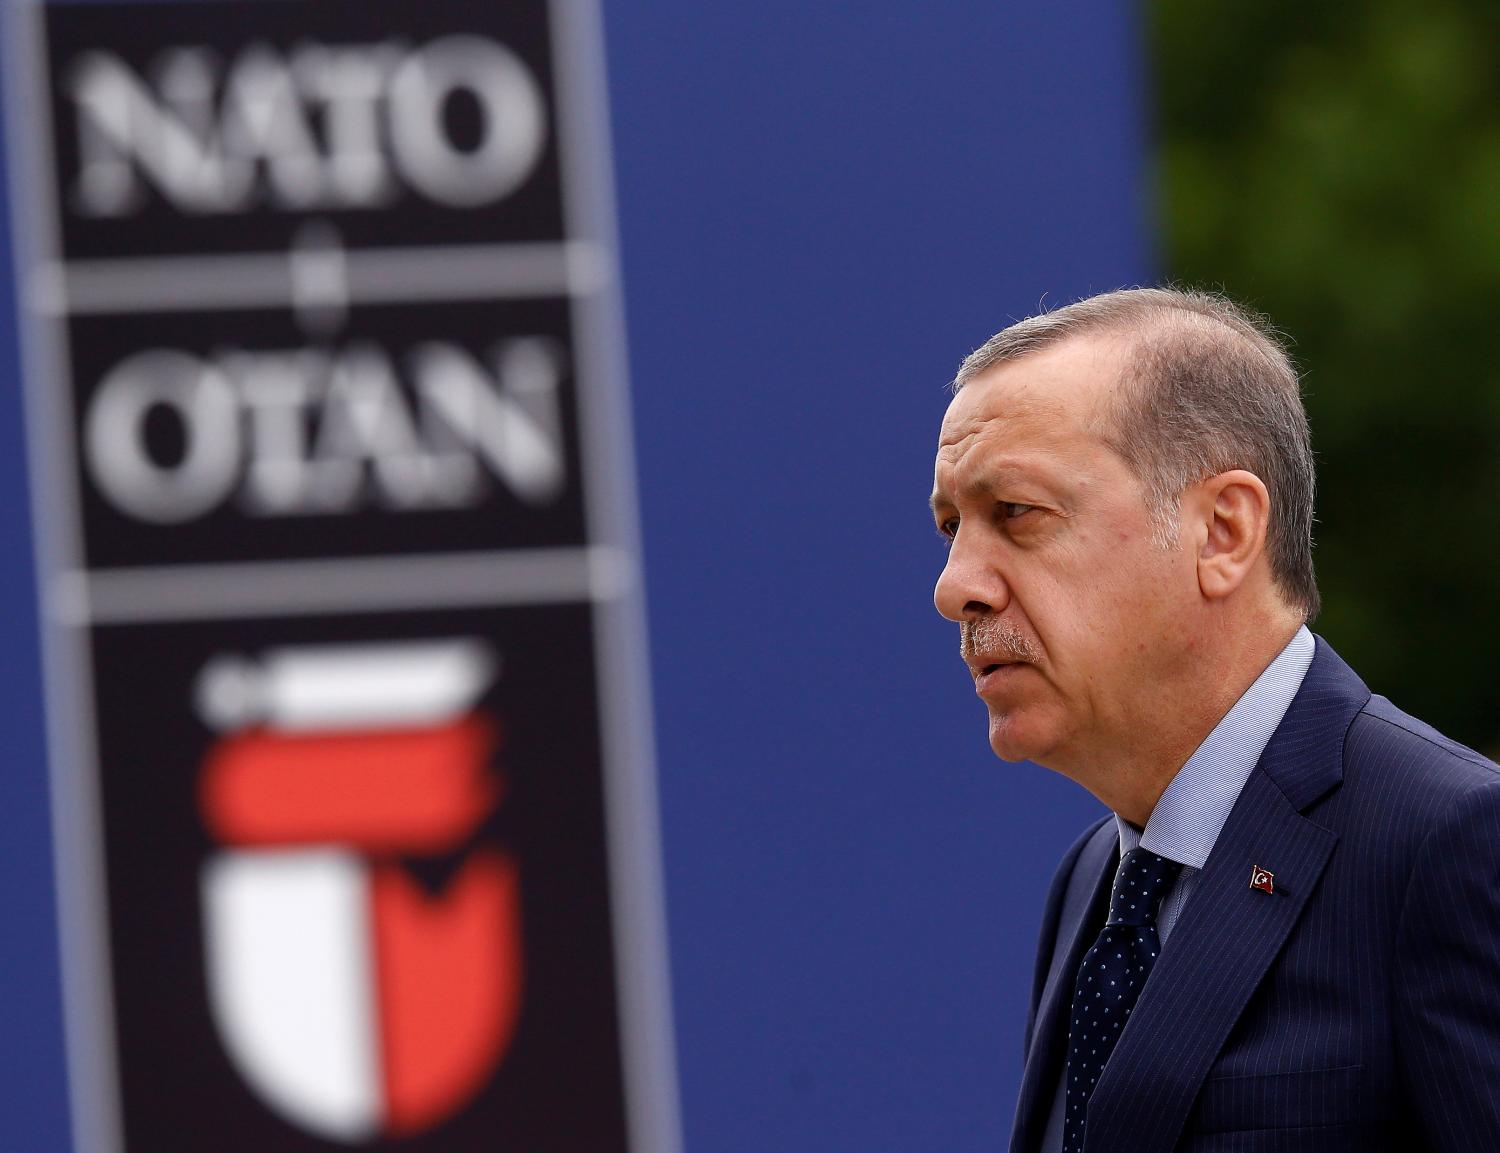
(1084, 904)
(1216, 956)
(1229, 933)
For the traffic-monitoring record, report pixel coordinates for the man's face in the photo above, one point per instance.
(1072, 616)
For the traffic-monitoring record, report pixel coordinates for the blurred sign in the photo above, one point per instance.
(354, 1000)
(347, 714)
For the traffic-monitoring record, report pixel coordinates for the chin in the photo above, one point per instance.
(1016, 737)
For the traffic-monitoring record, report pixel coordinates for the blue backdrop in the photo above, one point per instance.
(822, 209)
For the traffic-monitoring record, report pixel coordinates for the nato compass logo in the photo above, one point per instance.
(357, 1003)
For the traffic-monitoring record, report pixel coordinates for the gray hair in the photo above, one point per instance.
(1208, 386)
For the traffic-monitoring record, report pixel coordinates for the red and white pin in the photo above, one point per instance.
(1262, 879)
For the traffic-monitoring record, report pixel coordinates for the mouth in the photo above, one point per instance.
(990, 674)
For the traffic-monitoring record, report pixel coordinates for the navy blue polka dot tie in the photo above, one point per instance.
(1110, 979)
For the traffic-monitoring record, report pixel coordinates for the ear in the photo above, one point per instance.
(1233, 511)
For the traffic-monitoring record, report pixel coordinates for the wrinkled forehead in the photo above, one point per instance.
(985, 408)
(1060, 395)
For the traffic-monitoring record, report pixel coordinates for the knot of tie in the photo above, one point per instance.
(1140, 884)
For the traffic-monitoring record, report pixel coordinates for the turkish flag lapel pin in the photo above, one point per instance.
(1262, 879)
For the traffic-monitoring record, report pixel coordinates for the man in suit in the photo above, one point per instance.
(1287, 936)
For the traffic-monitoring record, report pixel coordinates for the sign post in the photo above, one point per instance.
(346, 669)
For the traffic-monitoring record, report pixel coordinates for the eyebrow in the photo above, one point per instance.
(996, 477)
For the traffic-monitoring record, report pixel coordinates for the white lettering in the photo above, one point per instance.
(513, 120)
(516, 430)
(265, 121)
(115, 437)
(275, 390)
(311, 432)
(350, 83)
(122, 126)
(318, 128)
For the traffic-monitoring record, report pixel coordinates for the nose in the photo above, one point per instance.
(970, 585)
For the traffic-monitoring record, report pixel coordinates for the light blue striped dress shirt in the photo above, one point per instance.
(1188, 817)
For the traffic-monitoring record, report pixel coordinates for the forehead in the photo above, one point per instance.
(1048, 403)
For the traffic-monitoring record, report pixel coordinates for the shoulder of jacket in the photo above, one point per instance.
(1405, 768)
(1386, 732)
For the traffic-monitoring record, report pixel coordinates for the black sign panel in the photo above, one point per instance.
(219, 127)
(347, 723)
(450, 972)
(415, 429)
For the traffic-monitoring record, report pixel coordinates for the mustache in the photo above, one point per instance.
(995, 637)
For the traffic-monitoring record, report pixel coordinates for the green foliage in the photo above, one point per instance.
(1337, 166)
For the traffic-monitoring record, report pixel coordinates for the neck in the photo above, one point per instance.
(1160, 734)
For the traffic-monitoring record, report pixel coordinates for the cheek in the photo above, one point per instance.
(1146, 599)
(1120, 602)
(1093, 594)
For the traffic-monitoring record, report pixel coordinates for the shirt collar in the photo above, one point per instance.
(1187, 820)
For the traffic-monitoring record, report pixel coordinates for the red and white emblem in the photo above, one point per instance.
(355, 1002)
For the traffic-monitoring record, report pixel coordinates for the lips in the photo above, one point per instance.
(995, 675)
(982, 664)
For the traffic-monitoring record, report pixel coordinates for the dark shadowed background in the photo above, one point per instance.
(1338, 167)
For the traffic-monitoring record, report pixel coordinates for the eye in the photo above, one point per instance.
(1014, 509)
(948, 529)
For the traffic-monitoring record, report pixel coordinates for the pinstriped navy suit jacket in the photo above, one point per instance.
(1355, 1008)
